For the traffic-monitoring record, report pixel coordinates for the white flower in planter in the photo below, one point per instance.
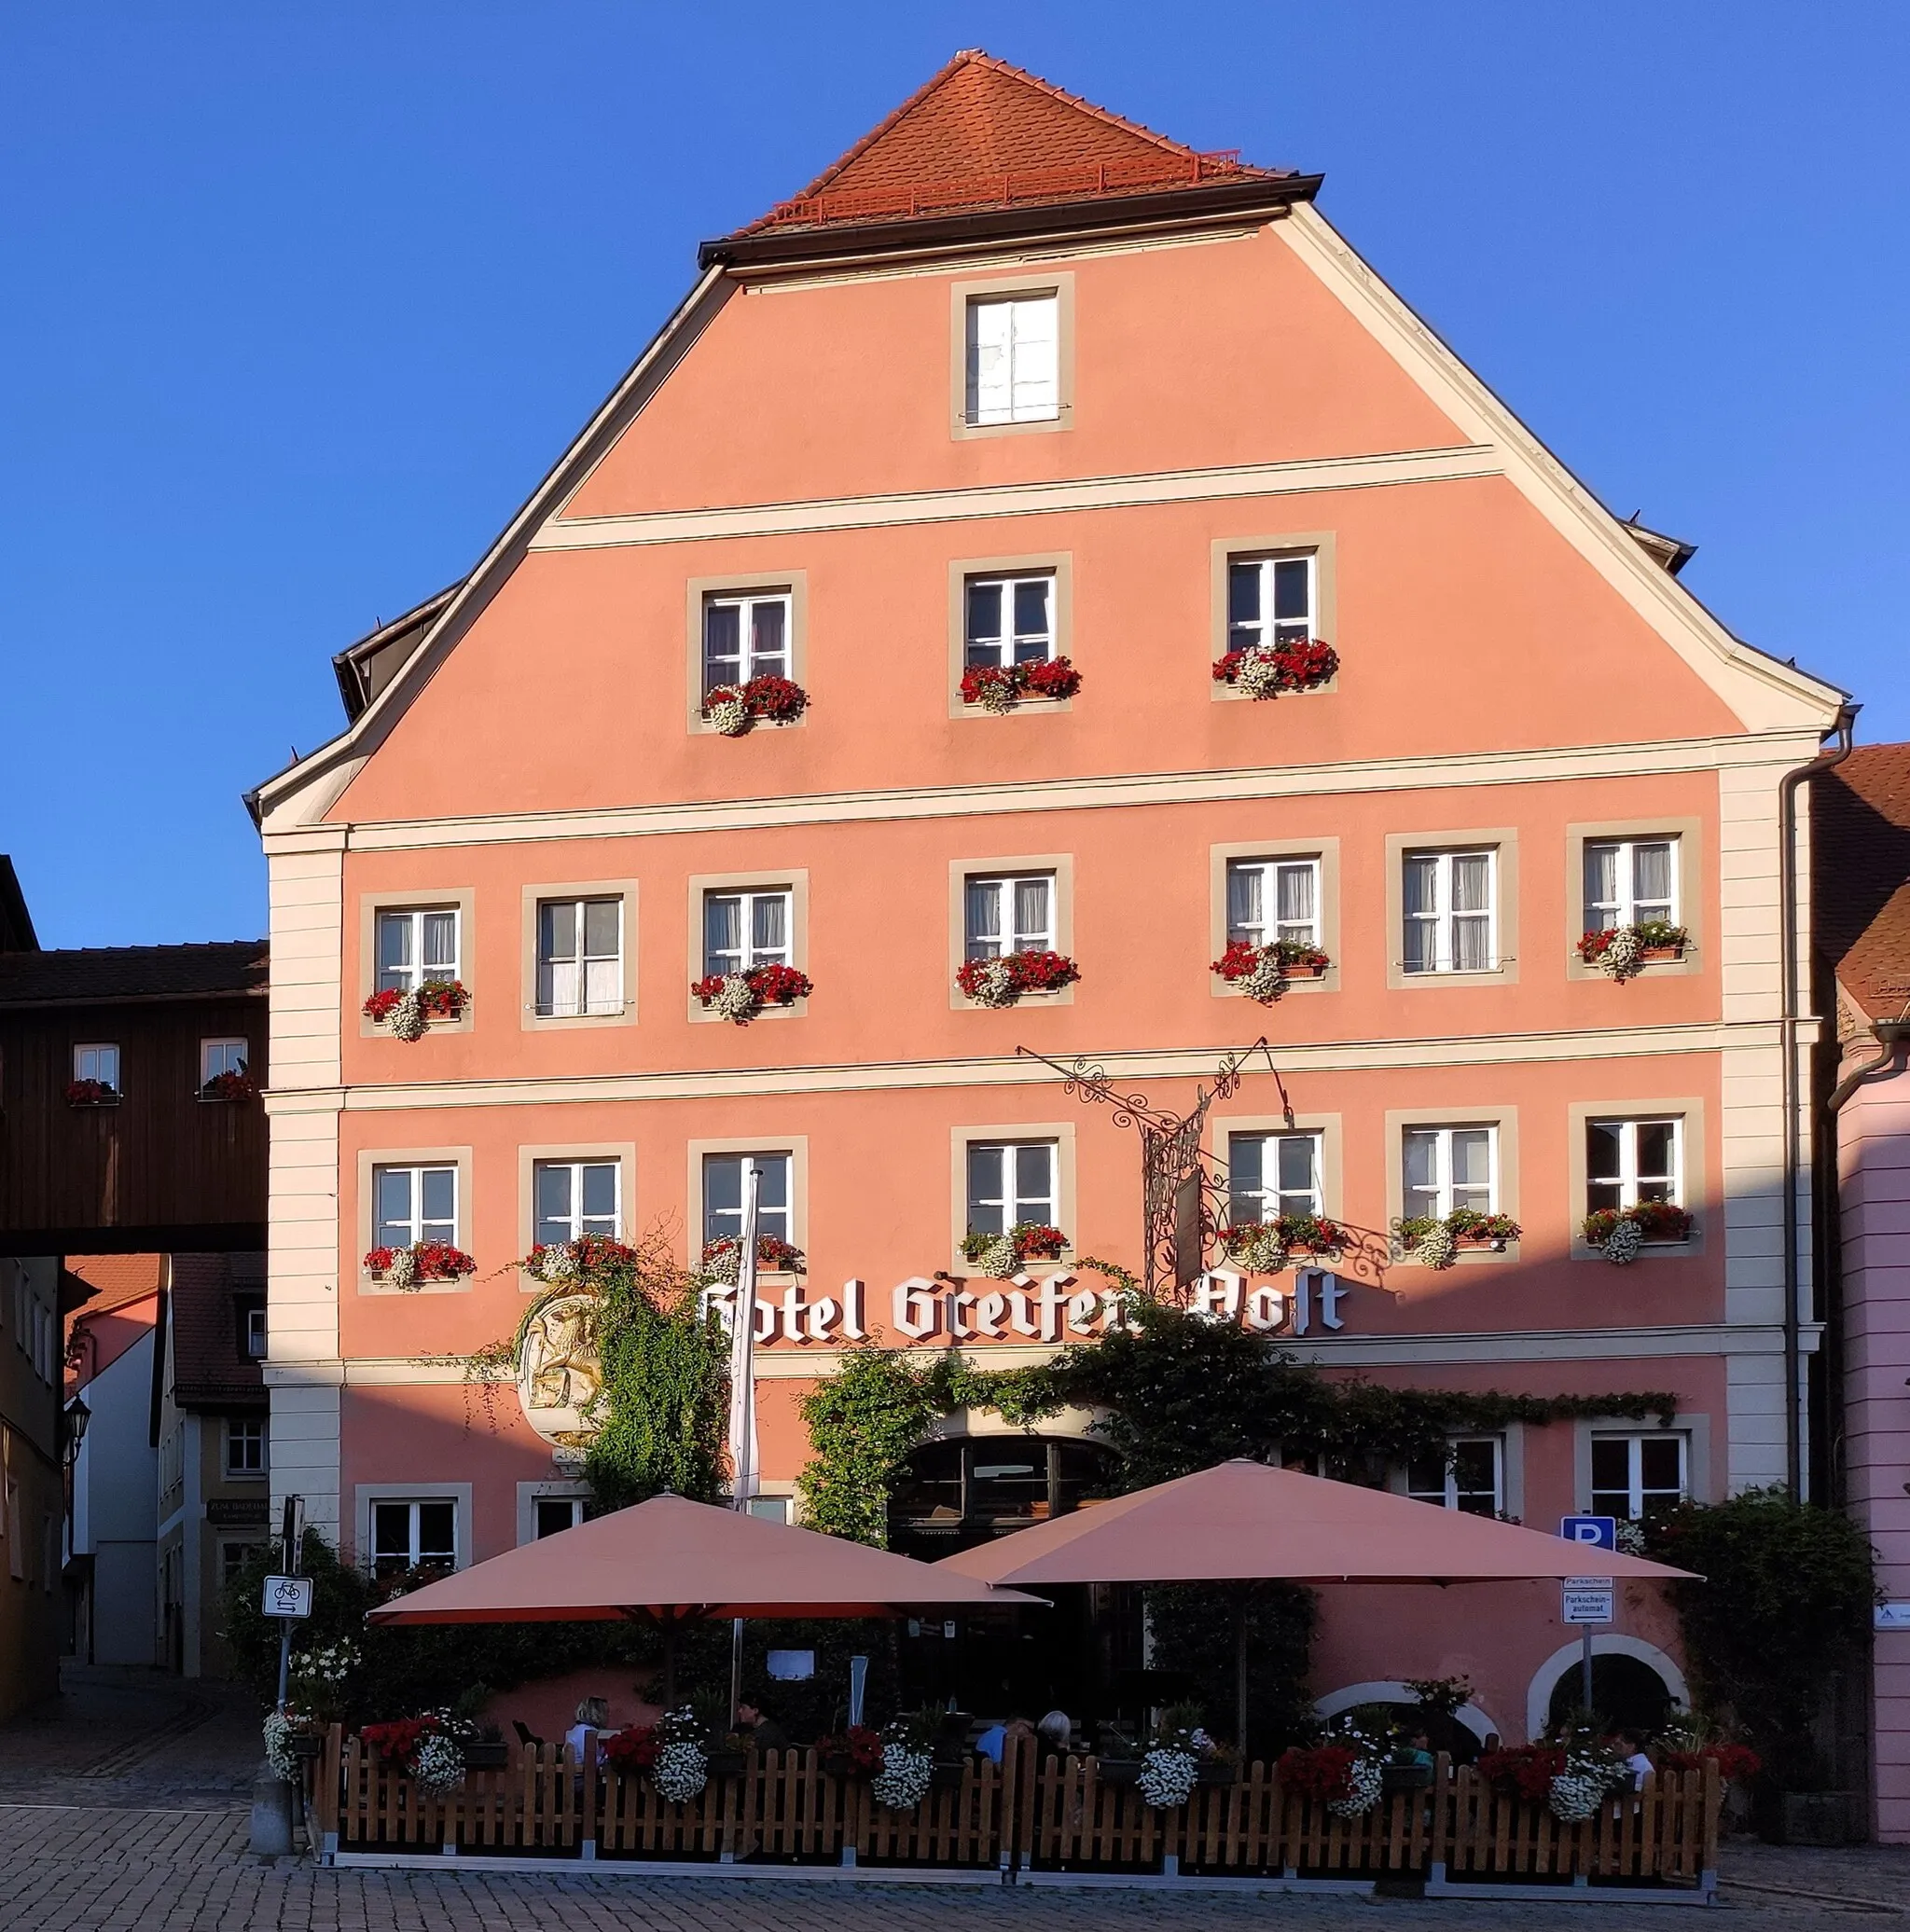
(736, 998)
(999, 1260)
(904, 1780)
(1364, 1786)
(998, 695)
(403, 1272)
(994, 985)
(1260, 674)
(1168, 1777)
(440, 1764)
(1622, 1244)
(279, 1732)
(1625, 955)
(1576, 1796)
(1263, 1253)
(1436, 1248)
(1269, 978)
(680, 1772)
(409, 1021)
(731, 717)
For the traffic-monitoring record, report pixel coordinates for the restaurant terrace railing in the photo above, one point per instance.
(1029, 1815)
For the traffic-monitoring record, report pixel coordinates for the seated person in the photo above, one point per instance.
(593, 1716)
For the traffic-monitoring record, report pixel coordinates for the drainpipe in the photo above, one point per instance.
(1787, 1029)
(1893, 1037)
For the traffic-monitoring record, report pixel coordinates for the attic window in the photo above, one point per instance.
(1014, 358)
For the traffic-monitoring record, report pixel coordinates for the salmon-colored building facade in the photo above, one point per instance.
(1018, 384)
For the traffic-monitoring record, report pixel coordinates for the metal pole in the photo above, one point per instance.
(1585, 1665)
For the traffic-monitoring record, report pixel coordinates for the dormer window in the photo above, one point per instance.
(1014, 358)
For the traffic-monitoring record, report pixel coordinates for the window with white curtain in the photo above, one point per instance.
(1009, 620)
(217, 1056)
(1270, 899)
(1629, 881)
(1011, 1181)
(415, 945)
(1470, 1480)
(98, 1062)
(746, 929)
(413, 1204)
(1270, 600)
(1629, 1161)
(1008, 915)
(723, 1191)
(574, 1198)
(579, 956)
(1014, 358)
(1445, 1168)
(1451, 912)
(1269, 1175)
(745, 635)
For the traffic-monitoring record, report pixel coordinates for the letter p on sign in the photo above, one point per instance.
(1597, 1532)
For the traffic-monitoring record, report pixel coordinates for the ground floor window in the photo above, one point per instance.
(553, 1514)
(1471, 1479)
(986, 1486)
(406, 1535)
(1638, 1475)
(233, 1557)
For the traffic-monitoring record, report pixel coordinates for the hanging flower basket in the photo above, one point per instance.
(723, 1260)
(558, 1262)
(1001, 1257)
(1003, 981)
(1000, 687)
(1621, 1232)
(411, 1268)
(231, 1085)
(743, 996)
(1264, 1246)
(1436, 1244)
(409, 1015)
(1625, 951)
(735, 709)
(1269, 670)
(91, 1093)
(1262, 972)
(857, 1753)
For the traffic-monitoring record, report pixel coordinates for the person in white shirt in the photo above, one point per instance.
(593, 1715)
(1636, 1761)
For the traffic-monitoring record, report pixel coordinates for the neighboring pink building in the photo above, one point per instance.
(1863, 896)
(1014, 382)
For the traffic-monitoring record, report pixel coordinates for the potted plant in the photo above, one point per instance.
(856, 1752)
(1118, 1756)
(906, 1773)
(408, 1014)
(1001, 1257)
(1000, 687)
(559, 1262)
(723, 1259)
(1620, 1233)
(741, 996)
(1220, 1764)
(1437, 1243)
(737, 709)
(411, 1268)
(485, 1749)
(1267, 669)
(91, 1093)
(1262, 972)
(1002, 980)
(317, 1679)
(1264, 1246)
(233, 1084)
(1170, 1767)
(1624, 951)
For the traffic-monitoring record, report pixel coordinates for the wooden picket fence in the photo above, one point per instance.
(1026, 1815)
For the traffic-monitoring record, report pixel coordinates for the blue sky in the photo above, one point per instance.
(302, 301)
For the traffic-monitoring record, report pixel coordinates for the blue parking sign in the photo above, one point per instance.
(1595, 1532)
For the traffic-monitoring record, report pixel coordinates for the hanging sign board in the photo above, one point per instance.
(1586, 1600)
(287, 1596)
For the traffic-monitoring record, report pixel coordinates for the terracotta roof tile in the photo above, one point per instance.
(1861, 869)
(98, 1282)
(208, 1368)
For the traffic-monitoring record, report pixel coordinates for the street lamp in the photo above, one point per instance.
(77, 1417)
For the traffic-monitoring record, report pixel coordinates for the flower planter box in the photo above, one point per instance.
(1395, 1778)
(725, 1764)
(1308, 969)
(305, 1744)
(945, 1774)
(1218, 1771)
(488, 1754)
(1118, 1771)
(1650, 953)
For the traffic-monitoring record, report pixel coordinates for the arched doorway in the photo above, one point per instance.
(1635, 1686)
(1462, 1735)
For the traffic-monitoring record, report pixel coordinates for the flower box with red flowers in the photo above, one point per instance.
(1622, 950)
(736, 709)
(1001, 1255)
(1738, 1764)
(741, 996)
(423, 1261)
(234, 1084)
(1267, 671)
(1265, 1246)
(1524, 1771)
(408, 1012)
(723, 1258)
(581, 1261)
(396, 1739)
(631, 1750)
(1002, 980)
(1323, 1773)
(856, 1753)
(1263, 971)
(91, 1093)
(1000, 687)
(1658, 1221)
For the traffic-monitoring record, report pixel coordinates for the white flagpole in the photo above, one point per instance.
(742, 1401)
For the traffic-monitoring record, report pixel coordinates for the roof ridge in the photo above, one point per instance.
(161, 946)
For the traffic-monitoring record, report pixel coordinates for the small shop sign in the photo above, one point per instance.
(1586, 1600)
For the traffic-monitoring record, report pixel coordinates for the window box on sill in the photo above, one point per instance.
(1263, 973)
(722, 1259)
(1268, 1247)
(91, 1093)
(228, 1090)
(408, 1269)
(1622, 951)
(411, 1014)
(733, 711)
(1276, 670)
(1009, 977)
(999, 688)
(743, 997)
(1437, 1244)
(1001, 1257)
(1621, 1236)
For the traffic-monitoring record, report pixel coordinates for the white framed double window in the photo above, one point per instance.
(1638, 1474)
(1011, 1181)
(1269, 1175)
(1271, 600)
(416, 944)
(574, 1198)
(246, 1445)
(1629, 1161)
(746, 929)
(746, 634)
(1469, 1477)
(405, 1535)
(724, 1177)
(1009, 620)
(97, 1060)
(410, 1205)
(579, 956)
(1008, 913)
(1273, 898)
(1449, 901)
(217, 1056)
(1013, 358)
(1629, 881)
(1446, 1169)
(551, 1516)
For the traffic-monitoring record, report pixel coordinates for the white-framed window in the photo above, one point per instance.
(415, 945)
(551, 1516)
(1008, 915)
(217, 1056)
(245, 1446)
(1450, 900)
(1270, 600)
(1445, 1168)
(1629, 1161)
(746, 635)
(1629, 881)
(769, 1509)
(723, 1189)
(742, 930)
(573, 1198)
(1269, 1175)
(255, 1344)
(1270, 899)
(1014, 358)
(579, 956)
(233, 1557)
(1636, 1475)
(405, 1535)
(1009, 620)
(97, 1060)
(1011, 1181)
(414, 1204)
(1473, 1478)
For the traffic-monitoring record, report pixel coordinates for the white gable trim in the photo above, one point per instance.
(1764, 692)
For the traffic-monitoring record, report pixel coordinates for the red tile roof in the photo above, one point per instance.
(981, 134)
(209, 1368)
(1861, 836)
(102, 1281)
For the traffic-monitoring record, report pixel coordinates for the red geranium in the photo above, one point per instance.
(777, 699)
(634, 1749)
(1528, 1769)
(396, 1739)
(1029, 973)
(1298, 665)
(1736, 1763)
(231, 1085)
(381, 1004)
(90, 1093)
(1324, 1773)
(1054, 678)
(860, 1746)
(999, 686)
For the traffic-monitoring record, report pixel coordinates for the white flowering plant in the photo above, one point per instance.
(317, 1678)
(440, 1764)
(280, 1729)
(908, 1768)
(681, 1767)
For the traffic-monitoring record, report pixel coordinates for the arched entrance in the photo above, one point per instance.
(1635, 1686)
(1463, 1735)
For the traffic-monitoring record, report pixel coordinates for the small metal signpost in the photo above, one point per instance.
(288, 1597)
(1587, 1600)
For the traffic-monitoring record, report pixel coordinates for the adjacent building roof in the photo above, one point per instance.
(1861, 834)
(86, 975)
(210, 1369)
(16, 923)
(95, 1283)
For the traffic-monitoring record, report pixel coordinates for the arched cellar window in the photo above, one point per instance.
(1627, 1692)
(966, 1489)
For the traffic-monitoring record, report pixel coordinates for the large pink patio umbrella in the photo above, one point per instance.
(670, 1561)
(1247, 1523)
